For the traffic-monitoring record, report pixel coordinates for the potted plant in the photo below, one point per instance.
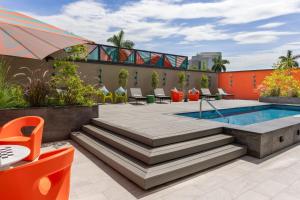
(123, 78)
(63, 100)
(182, 84)
(204, 81)
(154, 80)
(121, 93)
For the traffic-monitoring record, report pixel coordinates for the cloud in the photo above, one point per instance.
(148, 20)
(203, 33)
(259, 37)
(271, 25)
(227, 11)
(94, 21)
(261, 59)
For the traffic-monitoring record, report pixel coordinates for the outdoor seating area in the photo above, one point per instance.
(175, 95)
(100, 119)
(43, 176)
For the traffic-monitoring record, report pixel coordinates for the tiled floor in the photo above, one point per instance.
(277, 177)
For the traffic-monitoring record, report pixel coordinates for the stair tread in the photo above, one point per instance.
(152, 140)
(147, 150)
(143, 172)
(154, 154)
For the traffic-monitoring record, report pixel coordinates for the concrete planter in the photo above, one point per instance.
(59, 121)
(280, 100)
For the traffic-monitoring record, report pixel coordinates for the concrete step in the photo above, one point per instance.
(157, 141)
(160, 154)
(148, 176)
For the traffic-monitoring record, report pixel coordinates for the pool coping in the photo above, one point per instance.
(264, 138)
(256, 128)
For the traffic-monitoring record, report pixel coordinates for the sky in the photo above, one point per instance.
(251, 34)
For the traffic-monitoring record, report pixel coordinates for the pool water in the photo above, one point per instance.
(248, 115)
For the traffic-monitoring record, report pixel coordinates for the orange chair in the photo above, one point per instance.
(48, 178)
(176, 95)
(194, 95)
(11, 133)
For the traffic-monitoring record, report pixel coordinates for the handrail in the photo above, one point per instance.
(215, 109)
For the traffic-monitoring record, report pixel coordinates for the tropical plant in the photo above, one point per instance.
(155, 79)
(11, 95)
(68, 88)
(77, 52)
(219, 64)
(119, 41)
(280, 83)
(37, 89)
(123, 77)
(288, 61)
(204, 81)
(181, 80)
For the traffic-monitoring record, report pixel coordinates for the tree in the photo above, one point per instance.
(123, 77)
(77, 52)
(181, 80)
(204, 81)
(155, 79)
(219, 64)
(288, 61)
(119, 41)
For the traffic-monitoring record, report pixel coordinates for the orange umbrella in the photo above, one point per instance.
(24, 36)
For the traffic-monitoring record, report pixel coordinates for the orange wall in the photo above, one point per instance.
(243, 84)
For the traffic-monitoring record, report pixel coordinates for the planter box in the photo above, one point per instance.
(59, 121)
(280, 100)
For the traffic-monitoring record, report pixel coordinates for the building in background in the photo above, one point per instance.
(203, 61)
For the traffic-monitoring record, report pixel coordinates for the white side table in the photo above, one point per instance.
(11, 154)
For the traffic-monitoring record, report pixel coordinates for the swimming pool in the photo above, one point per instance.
(248, 115)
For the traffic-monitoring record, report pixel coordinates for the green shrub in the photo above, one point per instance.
(181, 80)
(68, 88)
(204, 81)
(11, 96)
(123, 77)
(77, 52)
(155, 79)
(280, 83)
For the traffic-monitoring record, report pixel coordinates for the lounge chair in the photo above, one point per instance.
(222, 93)
(205, 93)
(159, 93)
(136, 94)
